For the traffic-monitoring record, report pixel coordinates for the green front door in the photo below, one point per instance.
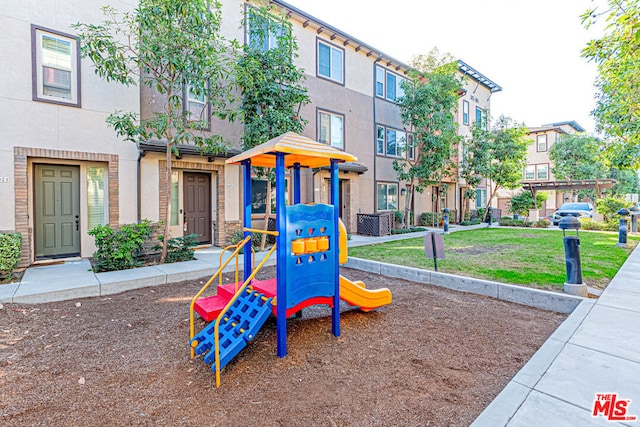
(57, 210)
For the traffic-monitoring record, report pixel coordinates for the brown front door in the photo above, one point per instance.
(197, 205)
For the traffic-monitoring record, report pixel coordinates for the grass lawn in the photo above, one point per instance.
(531, 257)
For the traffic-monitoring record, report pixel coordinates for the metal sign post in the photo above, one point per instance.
(434, 247)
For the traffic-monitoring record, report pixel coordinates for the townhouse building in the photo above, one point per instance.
(66, 171)
(539, 167)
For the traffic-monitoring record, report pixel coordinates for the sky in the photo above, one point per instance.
(529, 47)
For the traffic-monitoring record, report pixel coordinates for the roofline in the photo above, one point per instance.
(571, 123)
(547, 128)
(477, 76)
(349, 40)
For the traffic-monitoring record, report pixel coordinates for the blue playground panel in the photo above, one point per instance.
(248, 312)
(309, 275)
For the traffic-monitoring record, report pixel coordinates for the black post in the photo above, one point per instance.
(490, 213)
(634, 218)
(572, 258)
(435, 257)
(622, 228)
(446, 220)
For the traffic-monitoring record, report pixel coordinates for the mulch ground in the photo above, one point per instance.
(433, 357)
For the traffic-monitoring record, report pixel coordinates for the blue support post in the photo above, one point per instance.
(296, 183)
(335, 314)
(281, 259)
(246, 220)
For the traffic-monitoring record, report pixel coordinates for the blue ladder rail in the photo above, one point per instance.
(238, 326)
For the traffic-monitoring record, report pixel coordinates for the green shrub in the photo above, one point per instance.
(609, 207)
(119, 249)
(238, 236)
(10, 247)
(431, 218)
(590, 224)
(181, 248)
(474, 221)
(407, 230)
(541, 223)
(505, 221)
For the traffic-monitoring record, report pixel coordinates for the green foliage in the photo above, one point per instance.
(609, 207)
(168, 46)
(590, 224)
(407, 230)
(617, 55)
(626, 182)
(499, 154)
(474, 221)
(522, 202)
(238, 236)
(432, 219)
(10, 247)
(181, 248)
(119, 249)
(427, 108)
(271, 84)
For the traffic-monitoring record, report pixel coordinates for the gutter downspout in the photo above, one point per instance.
(375, 136)
(138, 184)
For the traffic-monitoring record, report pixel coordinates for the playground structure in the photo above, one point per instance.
(311, 243)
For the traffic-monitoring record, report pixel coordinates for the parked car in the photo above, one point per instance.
(579, 210)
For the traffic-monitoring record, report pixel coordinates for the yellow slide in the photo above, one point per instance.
(354, 293)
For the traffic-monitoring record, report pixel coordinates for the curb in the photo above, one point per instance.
(538, 298)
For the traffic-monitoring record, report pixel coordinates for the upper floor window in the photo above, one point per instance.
(542, 171)
(56, 67)
(541, 142)
(391, 142)
(331, 129)
(530, 172)
(465, 112)
(330, 62)
(195, 103)
(481, 118)
(263, 33)
(388, 84)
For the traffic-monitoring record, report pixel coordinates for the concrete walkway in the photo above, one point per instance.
(596, 350)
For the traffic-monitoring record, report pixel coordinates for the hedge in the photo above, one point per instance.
(10, 247)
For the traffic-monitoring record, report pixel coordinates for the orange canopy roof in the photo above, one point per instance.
(297, 149)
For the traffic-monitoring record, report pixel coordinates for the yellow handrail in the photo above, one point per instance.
(253, 256)
(255, 230)
(216, 331)
(239, 246)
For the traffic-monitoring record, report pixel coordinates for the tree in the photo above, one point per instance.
(523, 201)
(499, 154)
(167, 45)
(577, 157)
(617, 55)
(427, 108)
(271, 85)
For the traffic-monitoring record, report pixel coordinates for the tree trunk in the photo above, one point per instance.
(267, 213)
(486, 208)
(407, 207)
(167, 193)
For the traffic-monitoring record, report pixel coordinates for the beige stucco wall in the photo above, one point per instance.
(34, 124)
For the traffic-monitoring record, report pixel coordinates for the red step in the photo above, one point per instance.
(210, 307)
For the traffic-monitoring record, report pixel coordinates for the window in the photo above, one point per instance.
(465, 112)
(541, 142)
(195, 102)
(330, 60)
(259, 195)
(379, 81)
(56, 70)
(263, 33)
(396, 141)
(174, 220)
(380, 145)
(331, 129)
(391, 82)
(481, 118)
(392, 142)
(95, 196)
(387, 197)
(542, 171)
(481, 198)
(530, 172)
